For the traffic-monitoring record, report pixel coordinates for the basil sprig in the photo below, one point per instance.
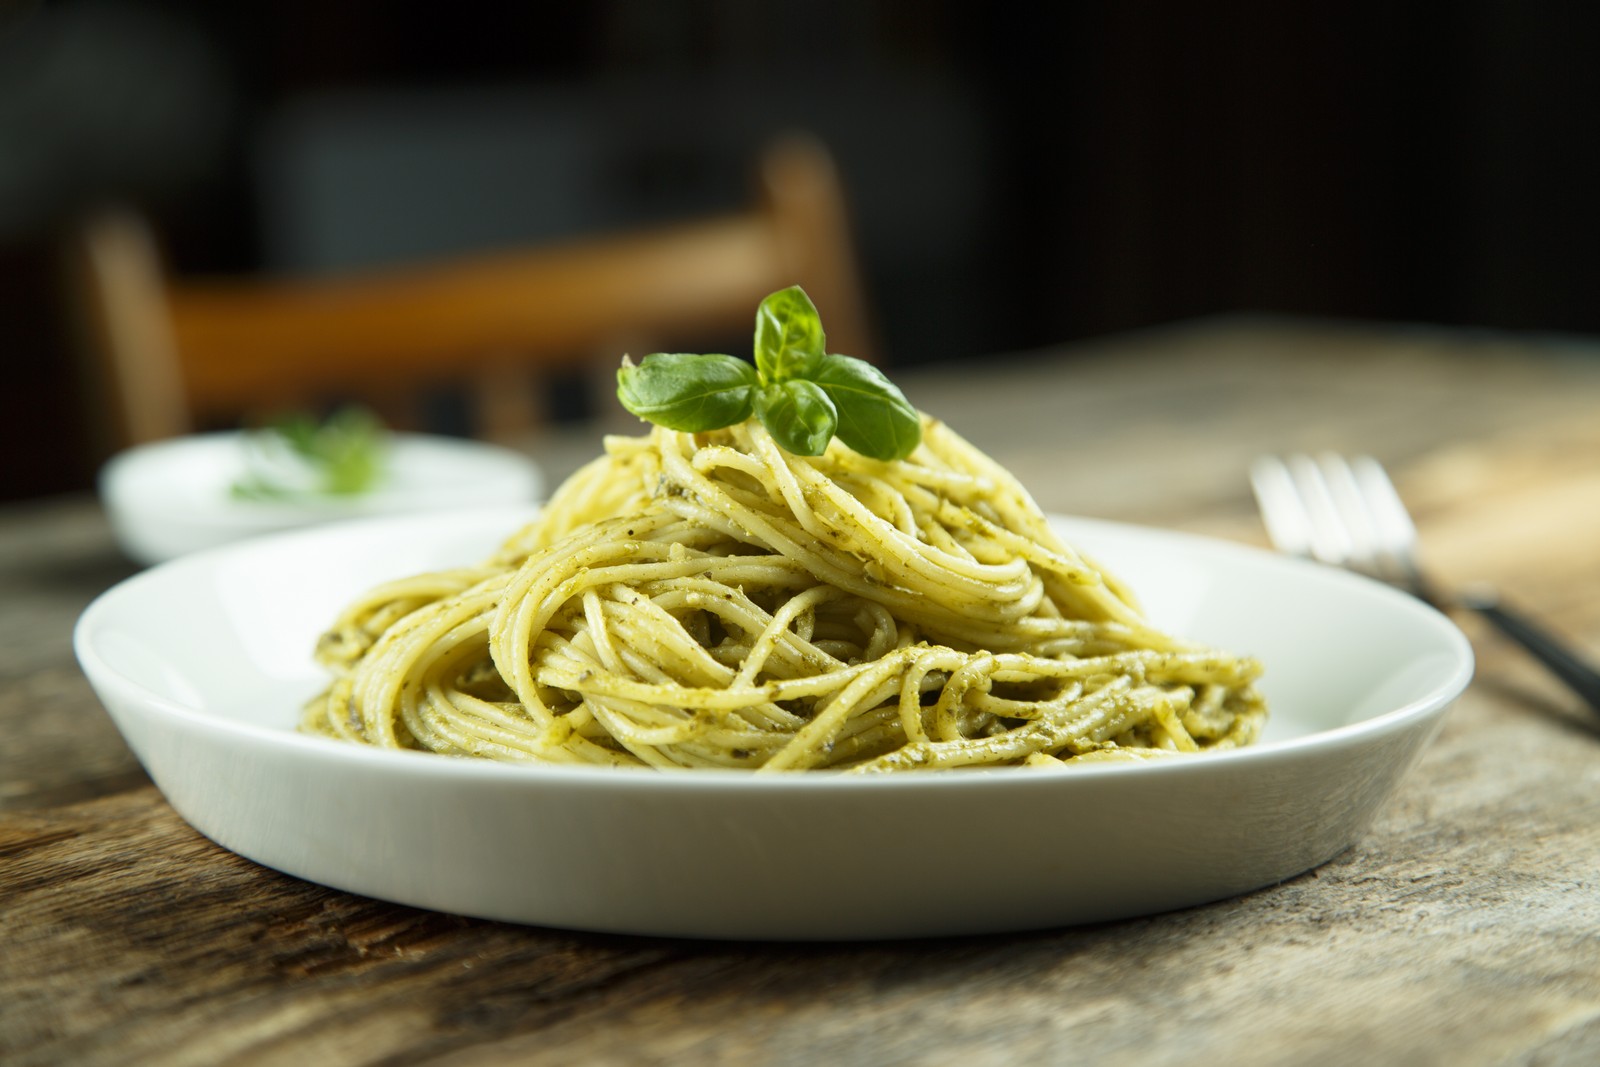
(803, 395)
(301, 456)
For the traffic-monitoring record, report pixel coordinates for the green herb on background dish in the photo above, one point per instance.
(800, 393)
(299, 456)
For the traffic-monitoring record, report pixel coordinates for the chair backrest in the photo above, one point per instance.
(170, 355)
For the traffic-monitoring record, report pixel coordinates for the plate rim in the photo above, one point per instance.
(136, 462)
(1367, 730)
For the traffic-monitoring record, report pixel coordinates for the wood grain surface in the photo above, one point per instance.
(1463, 928)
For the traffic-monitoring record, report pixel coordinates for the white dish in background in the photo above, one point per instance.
(171, 498)
(205, 662)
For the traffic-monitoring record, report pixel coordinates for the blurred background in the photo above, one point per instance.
(1015, 180)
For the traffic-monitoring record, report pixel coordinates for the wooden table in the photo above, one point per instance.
(1464, 928)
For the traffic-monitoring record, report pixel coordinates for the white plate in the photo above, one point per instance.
(174, 497)
(204, 663)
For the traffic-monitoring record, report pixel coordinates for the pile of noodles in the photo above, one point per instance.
(712, 601)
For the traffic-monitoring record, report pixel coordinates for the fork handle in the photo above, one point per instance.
(1545, 646)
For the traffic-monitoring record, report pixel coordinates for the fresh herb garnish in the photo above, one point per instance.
(800, 393)
(299, 456)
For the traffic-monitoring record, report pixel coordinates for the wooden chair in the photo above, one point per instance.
(173, 355)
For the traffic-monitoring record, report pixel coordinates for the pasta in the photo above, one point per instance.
(712, 601)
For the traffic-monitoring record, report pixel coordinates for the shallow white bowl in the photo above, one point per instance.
(174, 497)
(204, 664)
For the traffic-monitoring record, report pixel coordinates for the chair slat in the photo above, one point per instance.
(176, 353)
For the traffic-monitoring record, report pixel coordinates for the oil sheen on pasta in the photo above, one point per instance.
(712, 601)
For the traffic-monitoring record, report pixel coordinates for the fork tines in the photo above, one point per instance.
(1342, 512)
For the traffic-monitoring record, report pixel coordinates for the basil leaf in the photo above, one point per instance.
(801, 395)
(798, 415)
(682, 391)
(875, 418)
(349, 448)
(298, 456)
(789, 337)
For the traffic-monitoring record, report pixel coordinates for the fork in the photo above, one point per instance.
(1346, 512)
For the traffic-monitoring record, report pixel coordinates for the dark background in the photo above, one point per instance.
(1019, 174)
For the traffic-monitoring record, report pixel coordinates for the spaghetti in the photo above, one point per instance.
(712, 601)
